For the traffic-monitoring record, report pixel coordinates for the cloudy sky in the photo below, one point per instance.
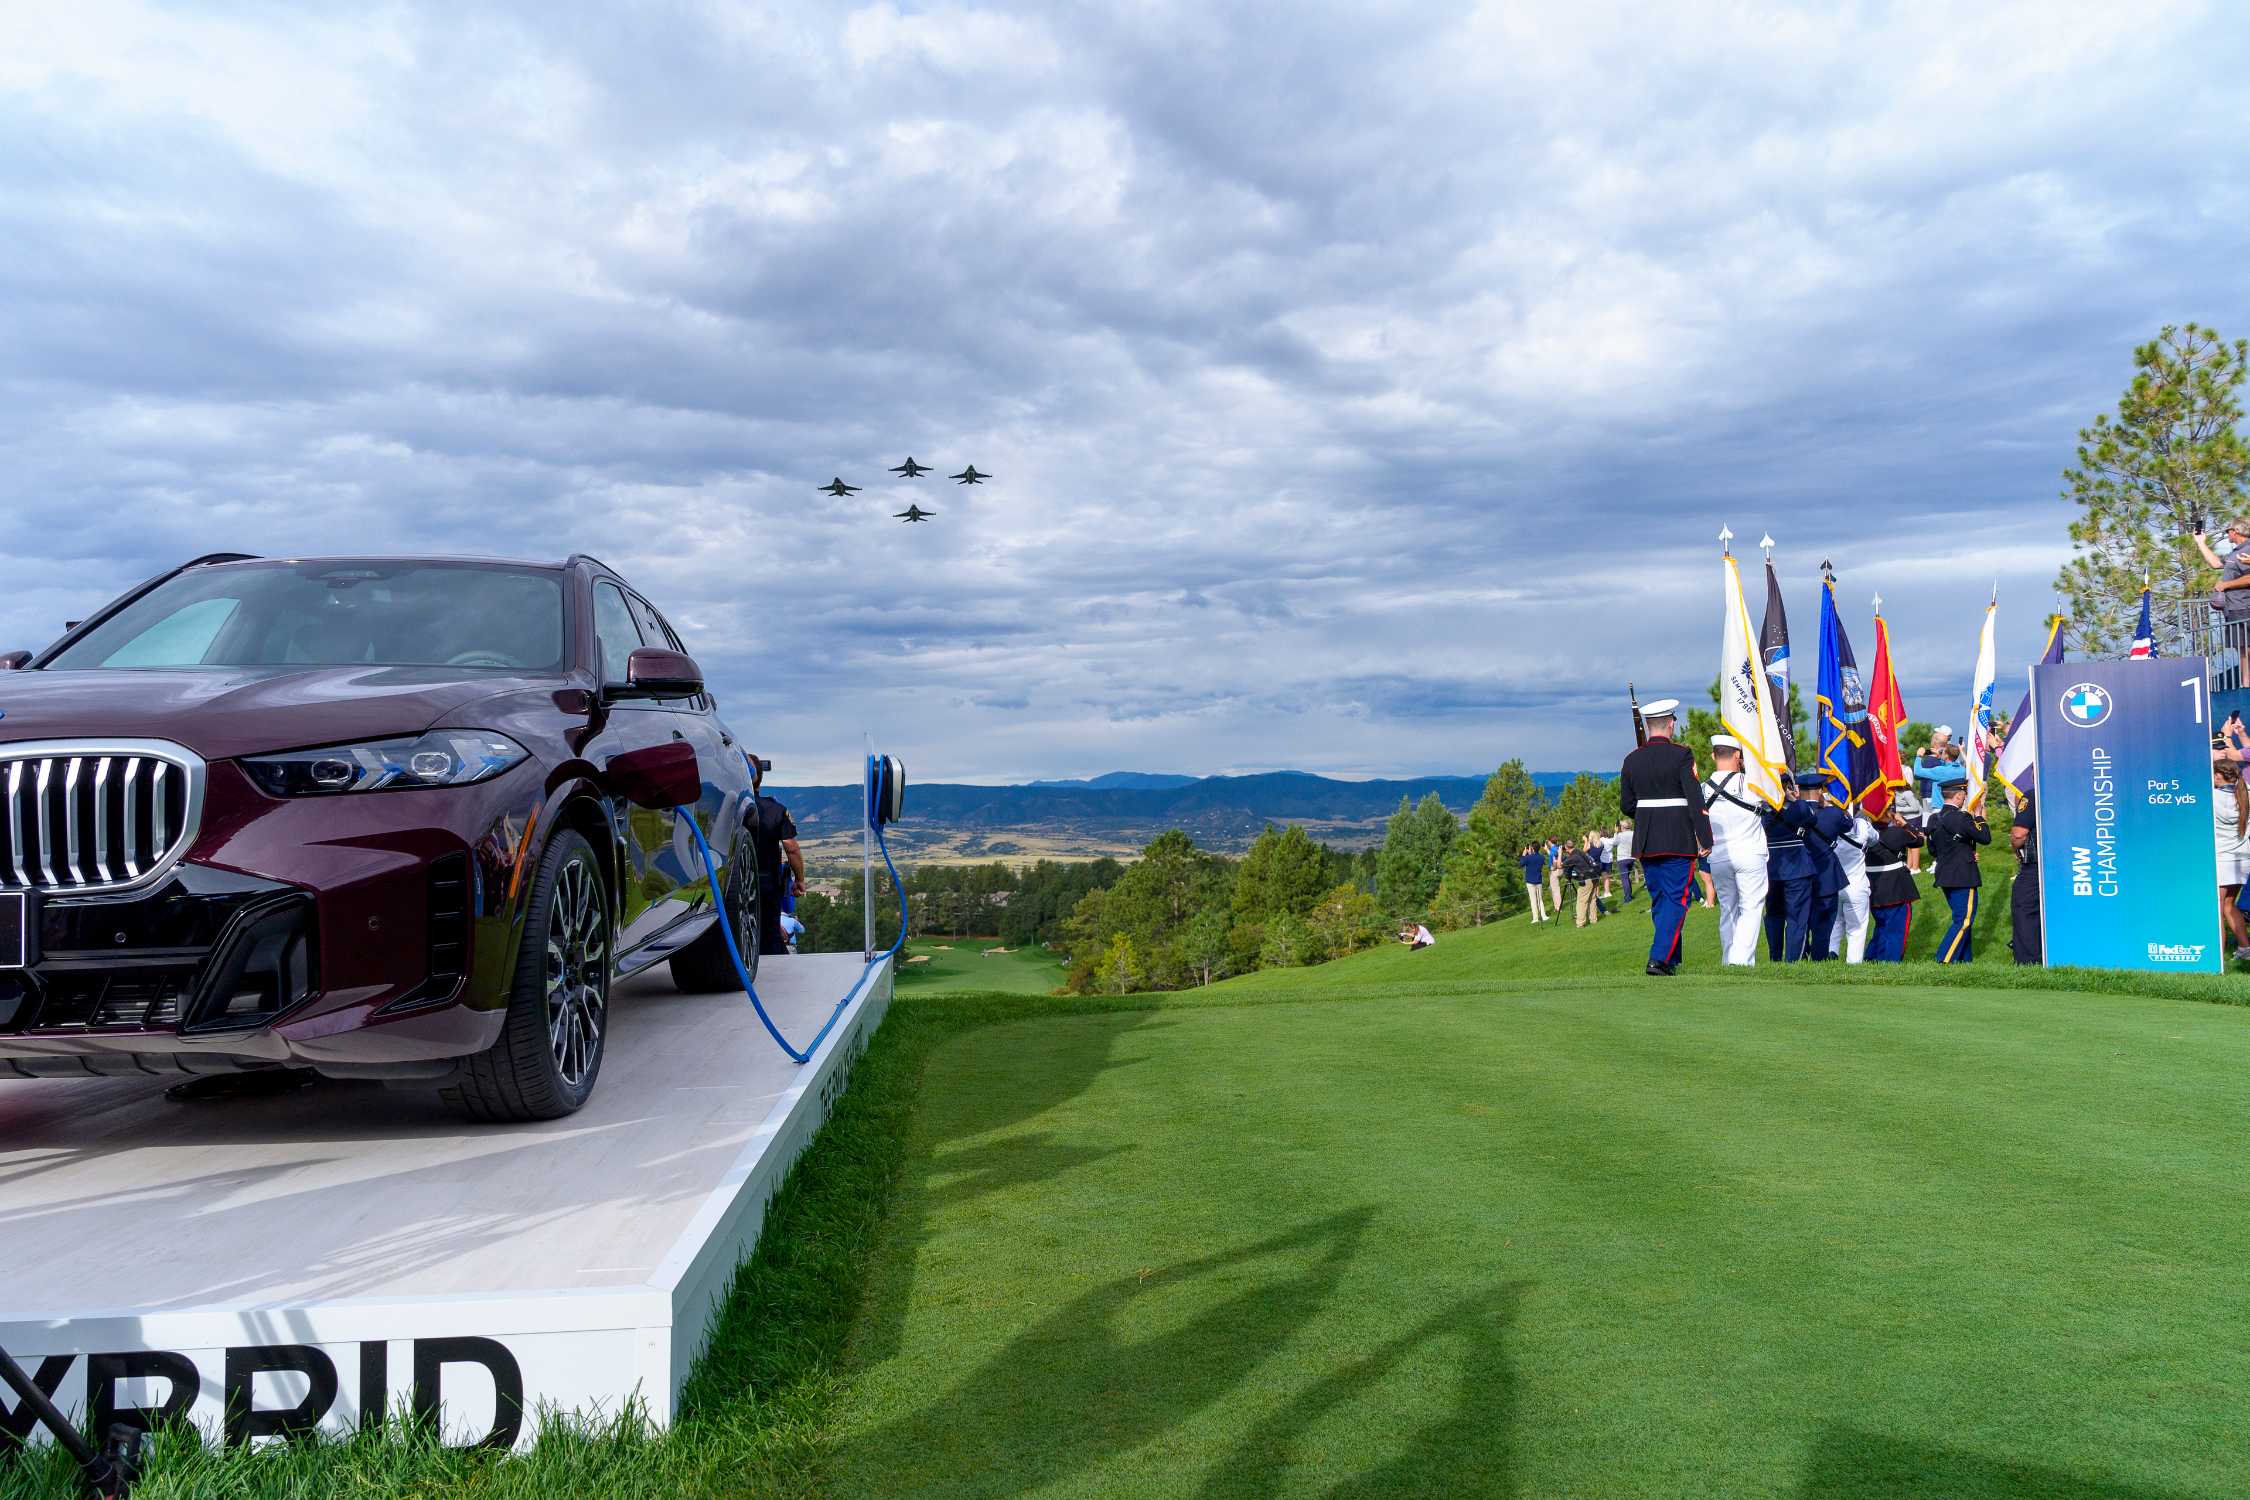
(1365, 384)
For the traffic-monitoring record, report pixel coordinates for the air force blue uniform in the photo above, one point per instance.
(1659, 791)
(1827, 826)
(1799, 863)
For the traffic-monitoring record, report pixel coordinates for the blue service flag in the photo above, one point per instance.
(1846, 762)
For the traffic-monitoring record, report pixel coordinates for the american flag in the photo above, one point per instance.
(2144, 635)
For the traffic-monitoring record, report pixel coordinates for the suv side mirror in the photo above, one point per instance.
(658, 776)
(14, 661)
(653, 672)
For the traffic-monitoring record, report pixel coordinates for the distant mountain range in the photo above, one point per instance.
(1120, 812)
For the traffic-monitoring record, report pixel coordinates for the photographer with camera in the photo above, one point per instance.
(781, 864)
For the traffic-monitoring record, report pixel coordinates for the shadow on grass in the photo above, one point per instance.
(1079, 1388)
(1869, 1466)
(1082, 1049)
(1468, 1453)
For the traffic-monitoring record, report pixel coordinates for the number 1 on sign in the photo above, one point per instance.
(2194, 685)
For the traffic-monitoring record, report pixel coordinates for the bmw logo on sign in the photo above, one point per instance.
(2085, 705)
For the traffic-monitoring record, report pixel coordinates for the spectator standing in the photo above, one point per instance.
(1624, 847)
(1607, 846)
(2230, 816)
(1954, 836)
(2231, 599)
(1926, 801)
(1584, 867)
(1555, 853)
(781, 864)
(1534, 863)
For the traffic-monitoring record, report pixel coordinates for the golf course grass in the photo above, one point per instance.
(1501, 1217)
(951, 966)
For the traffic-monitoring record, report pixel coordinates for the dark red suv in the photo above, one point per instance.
(373, 816)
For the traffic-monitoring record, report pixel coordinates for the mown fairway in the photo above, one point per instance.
(1586, 1238)
(957, 965)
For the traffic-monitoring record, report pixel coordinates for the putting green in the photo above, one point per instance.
(1598, 1238)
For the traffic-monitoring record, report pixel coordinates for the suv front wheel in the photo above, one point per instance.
(550, 1050)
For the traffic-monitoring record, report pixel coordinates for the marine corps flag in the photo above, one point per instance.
(1886, 719)
(1773, 655)
(1846, 760)
(1744, 709)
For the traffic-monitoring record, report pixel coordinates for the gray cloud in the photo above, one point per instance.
(1365, 390)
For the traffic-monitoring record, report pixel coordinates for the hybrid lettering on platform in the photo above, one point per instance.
(245, 1418)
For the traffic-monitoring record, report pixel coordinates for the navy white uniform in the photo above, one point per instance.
(1738, 863)
(1657, 789)
(1850, 935)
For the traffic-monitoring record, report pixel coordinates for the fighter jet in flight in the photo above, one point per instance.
(838, 488)
(910, 469)
(970, 476)
(913, 513)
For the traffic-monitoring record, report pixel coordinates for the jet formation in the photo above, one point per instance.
(908, 470)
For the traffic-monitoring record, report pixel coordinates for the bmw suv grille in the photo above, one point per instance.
(88, 817)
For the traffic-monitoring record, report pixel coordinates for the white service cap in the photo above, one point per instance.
(1725, 742)
(1660, 708)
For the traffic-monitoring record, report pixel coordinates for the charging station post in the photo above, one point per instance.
(867, 855)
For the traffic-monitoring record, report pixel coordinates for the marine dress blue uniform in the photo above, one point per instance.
(1658, 790)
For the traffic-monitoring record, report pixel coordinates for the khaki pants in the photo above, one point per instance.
(1554, 888)
(1538, 903)
(1589, 902)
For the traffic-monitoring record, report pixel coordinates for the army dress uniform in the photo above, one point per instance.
(1954, 835)
(1658, 790)
(1738, 859)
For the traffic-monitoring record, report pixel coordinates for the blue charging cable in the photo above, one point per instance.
(742, 970)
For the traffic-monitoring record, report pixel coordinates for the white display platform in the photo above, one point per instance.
(371, 1227)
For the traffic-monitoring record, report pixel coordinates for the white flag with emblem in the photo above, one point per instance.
(1980, 744)
(1745, 705)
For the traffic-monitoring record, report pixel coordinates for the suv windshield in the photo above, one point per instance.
(371, 612)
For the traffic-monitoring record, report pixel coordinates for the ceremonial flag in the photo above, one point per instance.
(2144, 634)
(1773, 652)
(1980, 744)
(2022, 749)
(1886, 720)
(1744, 709)
(1847, 755)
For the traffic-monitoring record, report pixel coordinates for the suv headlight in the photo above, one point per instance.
(443, 757)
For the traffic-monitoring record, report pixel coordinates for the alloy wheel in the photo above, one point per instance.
(577, 972)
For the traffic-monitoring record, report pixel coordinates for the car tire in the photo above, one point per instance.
(550, 1050)
(704, 967)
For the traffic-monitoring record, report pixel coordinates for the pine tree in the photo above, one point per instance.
(2172, 463)
(1119, 972)
(1415, 844)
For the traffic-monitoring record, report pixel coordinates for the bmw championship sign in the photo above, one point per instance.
(2128, 866)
